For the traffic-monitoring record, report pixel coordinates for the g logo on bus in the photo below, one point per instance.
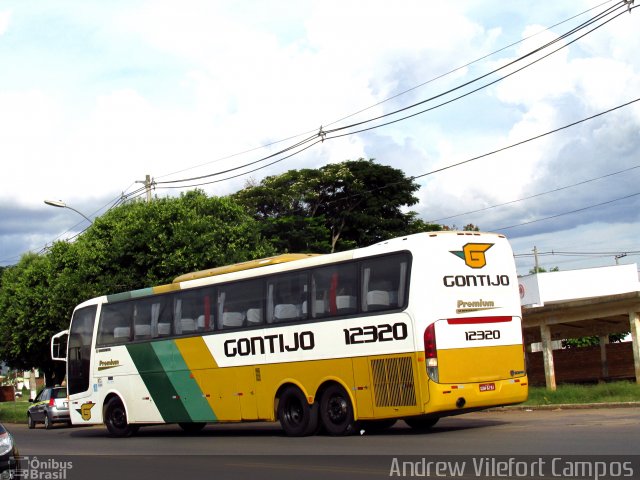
(473, 254)
(85, 410)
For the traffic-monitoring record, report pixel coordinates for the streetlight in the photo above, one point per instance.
(61, 204)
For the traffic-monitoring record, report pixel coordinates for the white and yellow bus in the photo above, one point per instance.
(413, 328)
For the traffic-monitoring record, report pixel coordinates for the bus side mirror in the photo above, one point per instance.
(59, 346)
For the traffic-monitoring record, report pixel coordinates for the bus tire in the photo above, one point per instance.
(297, 417)
(336, 411)
(421, 423)
(115, 418)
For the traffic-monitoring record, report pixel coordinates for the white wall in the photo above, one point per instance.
(541, 288)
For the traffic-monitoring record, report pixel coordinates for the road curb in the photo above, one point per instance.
(566, 406)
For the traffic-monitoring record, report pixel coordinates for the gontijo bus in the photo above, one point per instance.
(413, 328)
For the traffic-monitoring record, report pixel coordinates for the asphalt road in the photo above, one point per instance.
(260, 450)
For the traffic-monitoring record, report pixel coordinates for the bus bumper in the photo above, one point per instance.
(459, 398)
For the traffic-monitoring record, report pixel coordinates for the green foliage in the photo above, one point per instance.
(592, 341)
(134, 246)
(142, 244)
(543, 270)
(336, 207)
(600, 393)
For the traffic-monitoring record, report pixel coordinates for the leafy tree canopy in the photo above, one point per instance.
(133, 246)
(336, 207)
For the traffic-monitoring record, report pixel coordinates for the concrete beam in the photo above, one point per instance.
(634, 325)
(547, 355)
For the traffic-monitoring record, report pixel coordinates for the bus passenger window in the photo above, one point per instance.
(115, 323)
(334, 289)
(384, 282)
(192, 311)
(240, 304)
(288, 298)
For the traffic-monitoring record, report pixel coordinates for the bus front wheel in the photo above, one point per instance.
(115, 418)
(297, 417)
(336, 411)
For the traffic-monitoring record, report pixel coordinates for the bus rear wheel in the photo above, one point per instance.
(336, 411)
(115, 418)
(297, 417)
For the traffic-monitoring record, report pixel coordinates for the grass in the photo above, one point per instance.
(598, 393)
(14, 412)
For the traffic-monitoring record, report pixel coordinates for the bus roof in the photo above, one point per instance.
(237, 267)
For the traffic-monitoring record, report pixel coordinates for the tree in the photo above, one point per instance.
(336, 207)
(543, 270)
(133, 246)
(26, 316)
(592, 341)
(142, 244)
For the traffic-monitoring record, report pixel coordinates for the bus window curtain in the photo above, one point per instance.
(155, 315)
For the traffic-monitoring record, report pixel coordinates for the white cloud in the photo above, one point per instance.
(5, 17)
(156, 87)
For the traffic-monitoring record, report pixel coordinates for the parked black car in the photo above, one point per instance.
(8, 454)
(49, 407)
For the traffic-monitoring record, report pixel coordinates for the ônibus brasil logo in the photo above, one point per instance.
(473, 254)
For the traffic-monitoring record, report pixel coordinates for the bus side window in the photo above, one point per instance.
(384, 282)
(240, 304)
(334, 289)
(288, 297)
(192, 311)
(142, 320)
(115, 323)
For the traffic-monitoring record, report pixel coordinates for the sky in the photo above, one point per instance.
(96, 95)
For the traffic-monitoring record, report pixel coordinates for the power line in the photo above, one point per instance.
(323, 134)
(431, 80)
(528, 139)
(593, 20)
(535, 195)
(567, 213)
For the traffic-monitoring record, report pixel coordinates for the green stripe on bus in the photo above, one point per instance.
(157, 382)
(181, 378)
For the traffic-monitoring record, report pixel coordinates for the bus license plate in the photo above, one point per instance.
(487, 387)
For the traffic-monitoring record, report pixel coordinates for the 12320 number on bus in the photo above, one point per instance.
(375, 333)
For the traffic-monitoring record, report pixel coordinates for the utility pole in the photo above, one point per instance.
(619, 256)
(147, 186)
(535, 256)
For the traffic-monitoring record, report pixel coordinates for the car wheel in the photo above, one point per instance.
(336, 411)
(297, 417)
(115, 418)
(30, 422)
(47, 422)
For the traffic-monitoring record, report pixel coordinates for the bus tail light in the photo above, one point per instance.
(430, 352)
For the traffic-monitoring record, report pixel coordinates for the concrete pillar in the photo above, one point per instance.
(634, 324)
(604, 341)
(547, 355)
